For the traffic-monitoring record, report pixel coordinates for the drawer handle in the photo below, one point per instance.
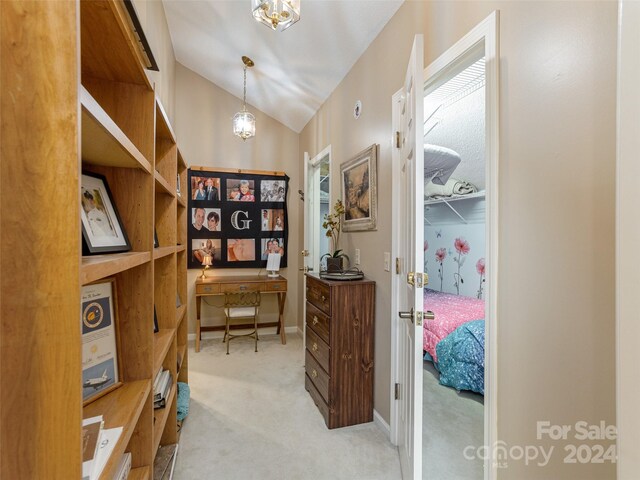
(314, 347)
(314, 373)
(324, 299)
(315, 320)
(242, 287)
(207, 289)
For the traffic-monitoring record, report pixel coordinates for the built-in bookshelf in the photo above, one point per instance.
(110, 122)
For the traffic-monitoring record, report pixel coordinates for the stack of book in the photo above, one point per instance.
(97, 446)
(161, 388)
(122, 473)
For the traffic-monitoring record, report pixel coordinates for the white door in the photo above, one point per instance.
(408, 189)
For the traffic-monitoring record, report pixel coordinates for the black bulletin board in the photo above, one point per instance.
(241, 215)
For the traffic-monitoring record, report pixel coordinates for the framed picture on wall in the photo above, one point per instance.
(359, 190)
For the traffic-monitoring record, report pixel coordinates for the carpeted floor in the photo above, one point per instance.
(251, 418)
(450, 422)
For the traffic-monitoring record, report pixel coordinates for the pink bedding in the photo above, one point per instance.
(451, 311)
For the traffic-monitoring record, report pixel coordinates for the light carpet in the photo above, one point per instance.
(451, 421)
(251, 418)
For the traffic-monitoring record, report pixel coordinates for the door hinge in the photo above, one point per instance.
(418, 319)
(397, 391)
(397, 139)
(398, 266)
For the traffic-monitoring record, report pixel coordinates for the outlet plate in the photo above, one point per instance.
(387, 261)
(357, 259)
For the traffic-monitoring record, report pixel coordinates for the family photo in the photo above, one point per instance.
(240, 190)
(205, 188)
(272, 220)
(272, 190)
(205, 219)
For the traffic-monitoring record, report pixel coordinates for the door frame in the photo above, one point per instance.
(486, 31)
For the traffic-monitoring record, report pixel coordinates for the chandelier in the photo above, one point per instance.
(277, 14)
(244, 123)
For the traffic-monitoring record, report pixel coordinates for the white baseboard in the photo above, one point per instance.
(382, 425)
(220, 333)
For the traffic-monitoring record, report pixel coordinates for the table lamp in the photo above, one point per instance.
(206, 262)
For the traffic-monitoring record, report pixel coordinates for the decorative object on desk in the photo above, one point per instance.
(206, 262)
(100, 342)
(273, 264)
(102, 229)
(156, 243)
(351, 274)
(247, 208)
(333, 224)
(244, 123)
(359, 190)
(276, 14)
(156, 329)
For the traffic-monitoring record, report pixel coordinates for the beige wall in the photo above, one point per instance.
(557, 145)
(203, 127)
(154, 24)
(628, 239)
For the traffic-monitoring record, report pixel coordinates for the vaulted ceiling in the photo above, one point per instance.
(295, 70)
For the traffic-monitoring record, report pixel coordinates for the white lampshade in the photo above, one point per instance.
(206, 261)
(276, 14)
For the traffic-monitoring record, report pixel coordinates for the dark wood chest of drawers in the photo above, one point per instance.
(339, 355)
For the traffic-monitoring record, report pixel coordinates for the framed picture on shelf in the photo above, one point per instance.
(359, 190)
(102, 229)
(100, 342)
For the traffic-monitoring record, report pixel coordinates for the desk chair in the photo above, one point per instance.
(241, 306)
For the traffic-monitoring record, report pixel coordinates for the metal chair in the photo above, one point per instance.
(241, 306)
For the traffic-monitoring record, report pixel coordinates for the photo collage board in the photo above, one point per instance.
(236, 218)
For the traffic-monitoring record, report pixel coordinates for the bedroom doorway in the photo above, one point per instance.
(456, 195)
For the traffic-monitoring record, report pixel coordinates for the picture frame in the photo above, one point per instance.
(359, 190)
(102, 228)
(101, 366)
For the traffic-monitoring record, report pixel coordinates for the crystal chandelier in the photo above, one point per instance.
(277, 14)
(244, 123)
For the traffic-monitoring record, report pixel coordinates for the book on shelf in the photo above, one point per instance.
(165, 462)
(91, 428)
(124, 468)
(164, 385)
(108, 440)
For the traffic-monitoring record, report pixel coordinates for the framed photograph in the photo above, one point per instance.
(359, 190)
(205, 188)
(200, 247)
(272, 191)
(100, 342)
(241, 190)
(102, 229)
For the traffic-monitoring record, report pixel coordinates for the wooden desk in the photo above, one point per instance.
(235, 284)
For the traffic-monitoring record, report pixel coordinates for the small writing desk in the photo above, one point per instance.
(238, 284)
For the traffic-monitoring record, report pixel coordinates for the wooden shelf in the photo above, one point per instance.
(162, 186)
(160, 415)
(140, 473)
(120, 408)
(101, 266)
(182, 350)
(103, 142)
(181, 313)
(180, 248)
(161, 252)
(110, 49)
(181, 163)
(163, 126)
(161, 345)
(181, 201)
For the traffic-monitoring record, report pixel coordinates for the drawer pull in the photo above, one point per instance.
(314, 373)
(324, 299)
(242, 287)
(207, 289)
(314, 347)
(315, 320)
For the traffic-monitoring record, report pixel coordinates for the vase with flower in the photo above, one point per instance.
(333, 226)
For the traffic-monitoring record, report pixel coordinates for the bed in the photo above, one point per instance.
(454, 340)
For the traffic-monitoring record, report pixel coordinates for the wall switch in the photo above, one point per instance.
(387, 262)
(357, 256)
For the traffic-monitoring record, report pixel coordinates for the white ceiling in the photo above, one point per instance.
(295, 70)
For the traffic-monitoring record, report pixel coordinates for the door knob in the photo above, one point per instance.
(429, 315)
(305, 269)
(407, 315)
(305, 253)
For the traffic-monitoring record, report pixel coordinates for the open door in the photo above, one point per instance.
(408, 187)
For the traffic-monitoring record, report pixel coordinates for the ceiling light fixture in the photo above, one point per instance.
(276, 14)
(244, 123)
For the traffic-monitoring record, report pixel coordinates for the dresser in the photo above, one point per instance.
(339, 355)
